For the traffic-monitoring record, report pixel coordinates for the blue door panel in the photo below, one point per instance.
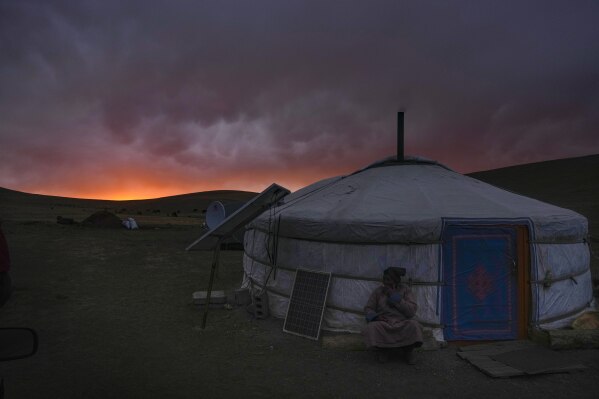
(480, 292)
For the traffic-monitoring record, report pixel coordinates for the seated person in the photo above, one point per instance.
(389, 313)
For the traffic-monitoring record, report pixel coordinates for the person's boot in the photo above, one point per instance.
(382, 355)
(410, 356)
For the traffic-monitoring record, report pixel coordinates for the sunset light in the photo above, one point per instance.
(121, 102)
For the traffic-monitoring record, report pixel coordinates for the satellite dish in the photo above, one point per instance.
(217, 212)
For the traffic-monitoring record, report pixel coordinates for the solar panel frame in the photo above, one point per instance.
(307, 303)
(239, 218)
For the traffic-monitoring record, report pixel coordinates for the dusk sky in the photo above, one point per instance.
(141, 99)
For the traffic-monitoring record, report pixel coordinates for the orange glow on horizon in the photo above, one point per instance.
(125, 184)
(127, 195)
(150, 190)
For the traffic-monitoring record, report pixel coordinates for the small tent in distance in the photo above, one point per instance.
(103, 219)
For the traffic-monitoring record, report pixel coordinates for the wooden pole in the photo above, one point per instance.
(215, 258)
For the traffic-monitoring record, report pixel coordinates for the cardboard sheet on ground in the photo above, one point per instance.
(517, 358)
(538, 360)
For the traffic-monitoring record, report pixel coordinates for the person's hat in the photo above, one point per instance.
(395, 273)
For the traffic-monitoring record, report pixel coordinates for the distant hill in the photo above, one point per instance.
(182, 199)
(571, 183)
(16, 205)
(188, 202)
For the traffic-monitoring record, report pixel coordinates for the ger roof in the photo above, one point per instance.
(407, 201)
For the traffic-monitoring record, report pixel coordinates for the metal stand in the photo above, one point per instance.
(215, 258)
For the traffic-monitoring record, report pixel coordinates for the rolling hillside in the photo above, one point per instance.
(19, 206)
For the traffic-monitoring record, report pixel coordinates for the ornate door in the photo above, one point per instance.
(480, 290)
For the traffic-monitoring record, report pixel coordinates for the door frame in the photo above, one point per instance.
(523, 294)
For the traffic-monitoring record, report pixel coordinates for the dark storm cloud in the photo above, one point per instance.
(215, 91)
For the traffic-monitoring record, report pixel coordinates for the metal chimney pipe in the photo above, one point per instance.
(400, 154)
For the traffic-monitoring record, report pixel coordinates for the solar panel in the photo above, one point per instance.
(240, 217)
(307, 303)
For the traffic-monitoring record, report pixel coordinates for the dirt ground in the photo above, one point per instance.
(114, 314)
